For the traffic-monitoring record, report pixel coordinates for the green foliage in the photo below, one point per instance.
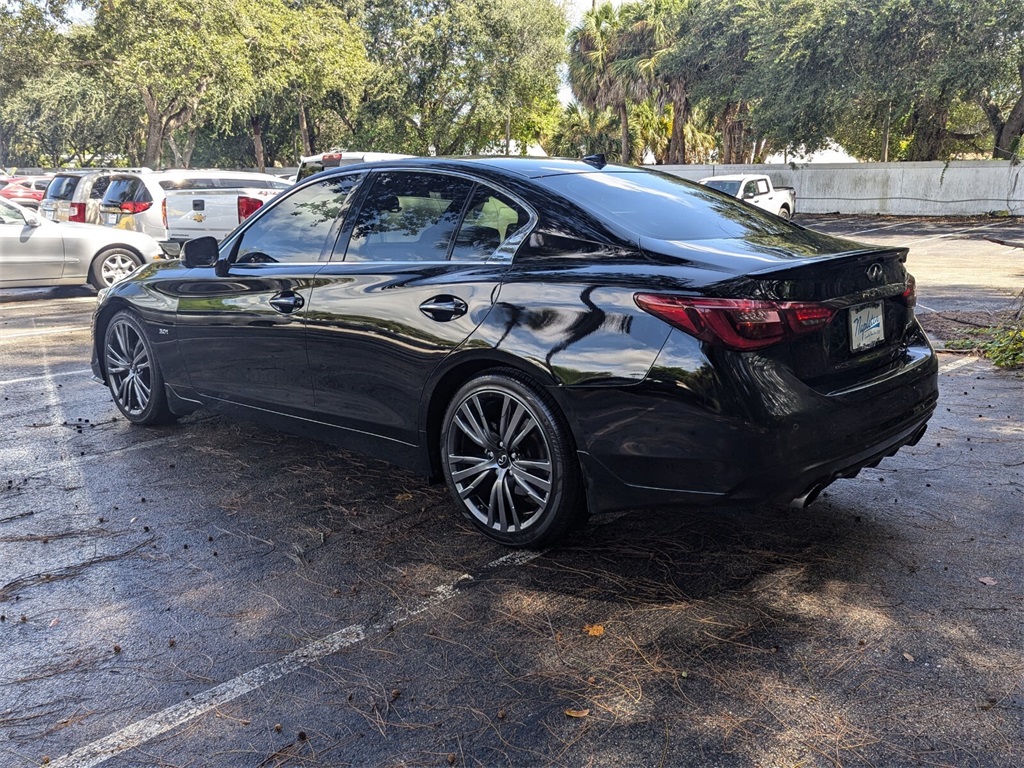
(1007, 349)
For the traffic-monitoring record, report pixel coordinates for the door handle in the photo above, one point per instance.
(287, 302)
(444, 308)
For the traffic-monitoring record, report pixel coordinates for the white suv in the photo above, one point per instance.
(138, 201)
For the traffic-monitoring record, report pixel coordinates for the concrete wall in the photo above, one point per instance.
(966, 187)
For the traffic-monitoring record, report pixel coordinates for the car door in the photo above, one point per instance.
(30, 254)
(423, 260)
(761, 195)
(242, 334)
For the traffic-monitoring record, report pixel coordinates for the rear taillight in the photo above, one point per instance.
(76, 212)
(740, 324)
(247, 206)
(134, 207)
(910, 295)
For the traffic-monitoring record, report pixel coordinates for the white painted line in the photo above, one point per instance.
(957, 364)
(926, 309)
(44, 332)
(879, 229)
(155, 725)
(79, 372)
(956, 232)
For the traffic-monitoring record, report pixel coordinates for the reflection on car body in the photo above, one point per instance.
(551, 337)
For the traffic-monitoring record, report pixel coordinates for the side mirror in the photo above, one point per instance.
(201, 252)
(32, 219)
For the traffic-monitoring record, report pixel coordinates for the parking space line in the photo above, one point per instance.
(957, 364)
(43, 332)
(149, 728)
(959, 232)
(49, 376)
(879, 229)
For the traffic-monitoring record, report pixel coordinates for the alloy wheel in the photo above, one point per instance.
(499, 460)
(129, 367)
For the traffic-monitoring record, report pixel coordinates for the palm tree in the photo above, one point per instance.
(593, 47)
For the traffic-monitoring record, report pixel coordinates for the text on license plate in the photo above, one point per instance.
(866, 326)
(111, 218)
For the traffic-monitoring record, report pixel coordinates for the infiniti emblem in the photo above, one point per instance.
(875, 273)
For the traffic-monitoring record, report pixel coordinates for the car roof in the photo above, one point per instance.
(524, 167)
(731, 177)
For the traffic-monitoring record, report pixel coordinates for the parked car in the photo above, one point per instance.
(337, 158)
(76, 195)
(756, 189)
(25, 190)
(38, 252)
(551, 337)
(138, 201)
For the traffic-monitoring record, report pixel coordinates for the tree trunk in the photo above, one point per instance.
(929, 134)
(307, 141)
(154, 132)
(886, 128)
(257, 142)
(680, 116)
(624, 124)
(508, 134)
(1008, 130)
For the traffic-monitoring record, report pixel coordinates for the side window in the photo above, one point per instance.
(750, 189)
(99, 187)
(762, 187)
(299, 228)
(408, 216)
(492, 218)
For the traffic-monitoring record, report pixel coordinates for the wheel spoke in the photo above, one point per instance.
(506, 491)
(510, 422)
(472, 426)
(479, 465)
(530, 425)
(532, 486)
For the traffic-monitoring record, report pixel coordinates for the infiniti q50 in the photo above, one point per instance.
(551, 338)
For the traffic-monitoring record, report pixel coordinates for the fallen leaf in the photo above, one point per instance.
(594, 630)
(54, 623)
(908, 657)
(403, 497)
(577, 712)
(988, 581)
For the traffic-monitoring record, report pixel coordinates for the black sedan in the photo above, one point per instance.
(552, 337)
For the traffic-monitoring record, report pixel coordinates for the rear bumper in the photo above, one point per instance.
(693, 436)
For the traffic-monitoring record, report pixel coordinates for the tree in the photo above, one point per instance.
(180, 55)
(594, 47)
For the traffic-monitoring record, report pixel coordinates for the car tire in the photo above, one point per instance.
(509, 460)
(133, 372)
(784, 213)
(111, 265)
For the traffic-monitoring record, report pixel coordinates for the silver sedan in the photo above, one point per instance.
(37, 252)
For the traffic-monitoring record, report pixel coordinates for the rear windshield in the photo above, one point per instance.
(224, 184)
(729, 187)
(62, 187)
(663, 207)
(126, 189)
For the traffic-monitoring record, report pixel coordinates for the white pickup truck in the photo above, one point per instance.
(216, 203)
(756, 189)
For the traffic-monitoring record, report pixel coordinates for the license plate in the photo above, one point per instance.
(51, 215)
(111, 218)
(866, 326)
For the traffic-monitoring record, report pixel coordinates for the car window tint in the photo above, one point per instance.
(762, 187)
(61, 187)
(9, 214)
(297, 228)
(662, 207)
(99, 187)
(491, 219)
(408, 217)
(125, 190)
